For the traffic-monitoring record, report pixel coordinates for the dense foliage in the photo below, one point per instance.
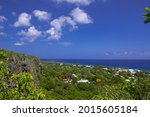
(147, 15)
(16, 79)
(103, 84)
(65, 81)
(18, 86)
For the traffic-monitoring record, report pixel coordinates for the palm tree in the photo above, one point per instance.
(147, 15)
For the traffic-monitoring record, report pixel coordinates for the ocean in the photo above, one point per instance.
(130, 64)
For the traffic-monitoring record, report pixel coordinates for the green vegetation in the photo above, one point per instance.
(147, 15)
(25, 77)
(60, 83)
(16, 79)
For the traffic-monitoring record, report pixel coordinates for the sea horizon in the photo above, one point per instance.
(141, 64)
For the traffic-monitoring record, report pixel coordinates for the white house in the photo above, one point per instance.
(83, 81)
(105, 68)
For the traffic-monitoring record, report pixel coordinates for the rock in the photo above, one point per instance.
(17, 63)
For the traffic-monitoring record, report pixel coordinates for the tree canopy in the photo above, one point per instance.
(147, 15)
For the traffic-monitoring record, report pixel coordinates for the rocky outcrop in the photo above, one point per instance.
(17, 63)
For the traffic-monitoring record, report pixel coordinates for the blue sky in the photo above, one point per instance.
(75, 29)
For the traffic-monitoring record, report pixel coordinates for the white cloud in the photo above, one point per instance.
(29, 36)
(19, 43)
(2, 19)
(57, 25)
(79, 2)
(80, 16)
(41, 15)
(63, 21)
(55, 32)
(23, 20)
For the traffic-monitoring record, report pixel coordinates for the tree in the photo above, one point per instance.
(147, 15)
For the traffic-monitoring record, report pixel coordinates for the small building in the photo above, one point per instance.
(83, 81)
(105, 68)
(61, 64)
(88, 66)
(132, 71)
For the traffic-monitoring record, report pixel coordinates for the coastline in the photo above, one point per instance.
(143, 65)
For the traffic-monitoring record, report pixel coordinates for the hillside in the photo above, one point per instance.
(25, 77)
(17, 63)
(19, 76)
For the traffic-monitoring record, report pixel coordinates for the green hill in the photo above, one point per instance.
(19, 76)
(17, 63)
(26, 77)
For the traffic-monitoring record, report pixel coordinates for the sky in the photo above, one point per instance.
(75, 29)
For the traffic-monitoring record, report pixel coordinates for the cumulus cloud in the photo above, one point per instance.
(41, 15)
(23, 20)
(80, 16)
(77, 16)
(29, 36)
(2, 19)
(79, 2)
(55, 32)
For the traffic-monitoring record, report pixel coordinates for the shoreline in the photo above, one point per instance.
(67, 61)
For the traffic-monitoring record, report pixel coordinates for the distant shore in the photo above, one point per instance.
(128, 64)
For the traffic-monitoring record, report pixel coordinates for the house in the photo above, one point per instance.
(88, 66)
(105, 68)
(132, 71)
(83, 81)
(61, 64)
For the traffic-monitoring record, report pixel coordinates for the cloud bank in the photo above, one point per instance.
(57, 26)
(77, 16)
(30, 35)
